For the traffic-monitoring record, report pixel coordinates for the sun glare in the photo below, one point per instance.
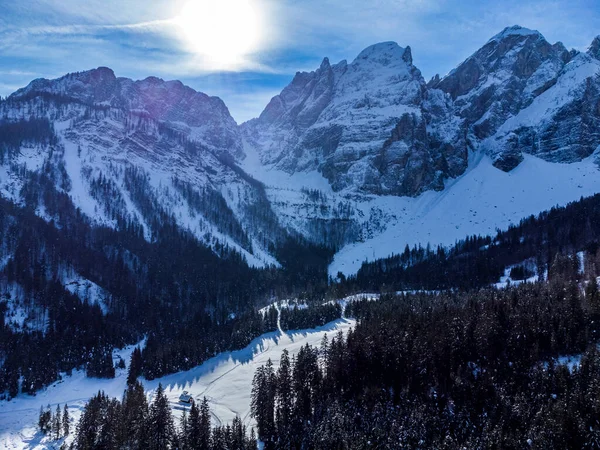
(225, 31)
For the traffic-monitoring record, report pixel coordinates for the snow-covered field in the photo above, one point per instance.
(225, 380)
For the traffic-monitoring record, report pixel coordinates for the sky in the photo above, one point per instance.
(246, 51)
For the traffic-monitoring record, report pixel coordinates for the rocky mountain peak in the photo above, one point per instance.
(338, 119)
(91, 86)
(515, 53)
(386, 54)
(206, 119)
(407, 56)
(594, 49)
(516, 30)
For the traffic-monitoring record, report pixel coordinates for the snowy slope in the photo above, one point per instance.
(479, 202)
(330, 150)
(119, 166)
(225, 380)
(18, 418)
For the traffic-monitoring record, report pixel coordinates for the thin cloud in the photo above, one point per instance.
(138, 38)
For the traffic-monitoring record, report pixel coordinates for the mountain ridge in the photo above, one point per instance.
(328, 150)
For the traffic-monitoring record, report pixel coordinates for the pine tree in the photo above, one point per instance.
(57, 423)
(205, 429)
(219, 439)
(135, 413)
(193, 432)
(91, 422)
(66, 426)
(161, 429)
(593, 296)
(13, 383)
(284, 400)
(45, 420)
(252, 441)
(135, 366)
(263, 401)
(237, 438)
(184, 432)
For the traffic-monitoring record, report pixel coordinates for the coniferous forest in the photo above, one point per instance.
(450, 370)
(442, 360)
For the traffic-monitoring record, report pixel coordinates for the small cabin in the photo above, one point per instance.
(185, 397)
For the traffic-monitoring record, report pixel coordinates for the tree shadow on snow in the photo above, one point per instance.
(183, 380)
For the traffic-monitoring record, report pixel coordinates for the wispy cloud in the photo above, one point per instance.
(138, 38)
(23, 73)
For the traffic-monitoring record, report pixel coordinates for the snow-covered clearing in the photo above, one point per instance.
(225, 380)
(506, 280)
(18, 418)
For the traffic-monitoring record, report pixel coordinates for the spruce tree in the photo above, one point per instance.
(135, 366)
(45, 420)
(57, 423)
(205, 429)
(161, 429)
(237, 438)
(193, 432)
(218, 439)
(91, 422)
(135, 413)
(284, 400)
(183, 432)
(252, 441)
(263, 401)
(66, 426)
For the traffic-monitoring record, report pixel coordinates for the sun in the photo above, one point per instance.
(224, 31)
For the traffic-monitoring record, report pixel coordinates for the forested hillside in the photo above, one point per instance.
(478, 261)
(189, 302)
(462, 370)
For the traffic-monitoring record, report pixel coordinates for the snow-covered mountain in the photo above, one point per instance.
(355, 156)
(140, 153)
(520, 94)
(362, 125)
(204, 119)
(374, 126)
(409, 154)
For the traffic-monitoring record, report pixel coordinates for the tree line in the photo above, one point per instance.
(478, 261)
(133, 423)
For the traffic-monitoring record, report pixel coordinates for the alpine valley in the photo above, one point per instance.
(141, 212)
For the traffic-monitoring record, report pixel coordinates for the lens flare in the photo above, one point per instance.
(224, 31)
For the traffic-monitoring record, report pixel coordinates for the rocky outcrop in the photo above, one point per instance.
(205, 119)
(349, 122)
(594, 50)
(502, 78)
(520, 94)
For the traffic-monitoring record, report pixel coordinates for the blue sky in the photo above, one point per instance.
(139, 38)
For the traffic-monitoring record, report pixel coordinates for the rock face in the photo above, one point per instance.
(558, 115)
(362, 125)
(503, 77)
(205, 119)
(374, 126)
(520, 94)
